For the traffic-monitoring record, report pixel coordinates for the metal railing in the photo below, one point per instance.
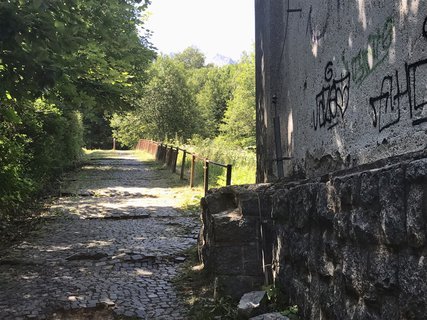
(169, 155)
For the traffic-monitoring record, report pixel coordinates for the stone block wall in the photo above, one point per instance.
(231, 240)
(354, 246)
(348, 245)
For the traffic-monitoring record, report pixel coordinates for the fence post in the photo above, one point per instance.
(193, 164)
(170, 160)
(206, 175)
(175, 159)
(167, 156)
(228, 180)
(183, 164)
(165, 150)
(159, 152)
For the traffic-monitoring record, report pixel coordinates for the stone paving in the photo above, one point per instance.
(113, 238)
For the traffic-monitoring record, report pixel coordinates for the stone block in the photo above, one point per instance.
(266, 205)
(301, 205)
(416, 215)
(331, 247)
(314, 249)
(237, 260)
(280, 248)
(369, 195)
(227, 260)
(252, 260)
(331, 298)
(298, 247)
(364, 225)
(236, 286)
(354, 267)
(417, 170)
(280, 206)
(312, 299)
(325, 267)
(325, 205)
(254, 204)
(284, 276)
(248, 204)
(413, 286)
(233, 227)
(383, 269)
(270, 316)
(342, 220)
(218, 202)
(393, 216)
(389, 307)
(347, 190)
(252, 303)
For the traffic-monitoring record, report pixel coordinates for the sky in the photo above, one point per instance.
(224, 27)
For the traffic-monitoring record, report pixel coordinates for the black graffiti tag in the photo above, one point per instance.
(387, 106)
(332, 101)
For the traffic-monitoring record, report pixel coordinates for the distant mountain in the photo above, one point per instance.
(221, 60)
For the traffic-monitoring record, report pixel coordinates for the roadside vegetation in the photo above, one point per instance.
(64, 67)
(75, 74)
(205, 109)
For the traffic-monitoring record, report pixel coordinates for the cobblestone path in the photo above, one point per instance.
(112, 239)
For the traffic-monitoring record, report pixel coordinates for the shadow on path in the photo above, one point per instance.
(111, 244)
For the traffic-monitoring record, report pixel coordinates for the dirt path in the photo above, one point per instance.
(113, 239)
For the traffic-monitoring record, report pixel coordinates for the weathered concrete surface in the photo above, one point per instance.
(114, 245)
(349, 81)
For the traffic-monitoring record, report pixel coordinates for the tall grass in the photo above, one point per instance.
(242, 160)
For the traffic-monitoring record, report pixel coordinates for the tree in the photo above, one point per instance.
(192, 58)
(61, 61)
(239, 118)
(167, 108)
(212, 89)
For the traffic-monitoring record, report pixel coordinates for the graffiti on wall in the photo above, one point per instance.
(332, 101)
(374, 54)
(397, 91)
(400, 93)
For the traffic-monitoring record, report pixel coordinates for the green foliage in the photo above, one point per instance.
(212, 89)
(192, 58)
(167, 108)
(97, 131)
(291, 312)
(127, 128)
(238, 125)
(276, 303)
(183, 98)
(62, 62)
(219, 150)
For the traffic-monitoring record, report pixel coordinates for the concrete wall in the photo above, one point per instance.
(349, 80)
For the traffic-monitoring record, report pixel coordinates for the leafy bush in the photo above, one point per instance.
(35, 145)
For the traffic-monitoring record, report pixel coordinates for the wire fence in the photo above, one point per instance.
(169, 155)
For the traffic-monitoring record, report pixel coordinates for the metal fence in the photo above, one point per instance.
(168, 154)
